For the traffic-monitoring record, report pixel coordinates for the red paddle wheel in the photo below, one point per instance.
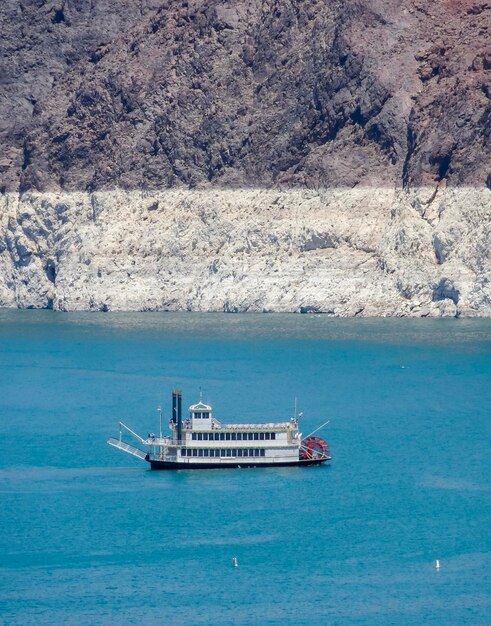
(314, 448)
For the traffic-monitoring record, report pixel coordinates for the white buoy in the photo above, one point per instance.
(437, 564)
(235, 563)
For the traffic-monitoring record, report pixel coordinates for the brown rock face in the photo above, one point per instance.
(152, 94)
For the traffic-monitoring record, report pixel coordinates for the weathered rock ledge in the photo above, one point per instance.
(345, 252)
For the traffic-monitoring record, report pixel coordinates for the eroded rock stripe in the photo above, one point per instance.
(345, 252)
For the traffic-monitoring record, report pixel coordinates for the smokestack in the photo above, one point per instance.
(174, 407)
(179, 415)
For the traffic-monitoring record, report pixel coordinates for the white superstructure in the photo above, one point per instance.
(202, 441)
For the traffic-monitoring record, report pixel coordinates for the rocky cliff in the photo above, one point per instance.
(345, 251)
(273, 155)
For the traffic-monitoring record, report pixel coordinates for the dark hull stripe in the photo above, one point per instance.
(169, 465)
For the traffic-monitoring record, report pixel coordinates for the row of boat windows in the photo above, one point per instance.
(223, 453)
(232, 436)
(204, 415)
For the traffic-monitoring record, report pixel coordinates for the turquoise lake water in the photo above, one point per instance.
(90, 536)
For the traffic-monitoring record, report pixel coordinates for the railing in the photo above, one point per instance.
(166, 442)
(125, 447)
(238, 427)
(260, 426)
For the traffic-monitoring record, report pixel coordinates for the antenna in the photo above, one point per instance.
(295, 408)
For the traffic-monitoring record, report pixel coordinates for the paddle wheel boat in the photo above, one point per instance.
(201, 441)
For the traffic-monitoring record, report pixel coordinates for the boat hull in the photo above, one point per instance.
(171, 465)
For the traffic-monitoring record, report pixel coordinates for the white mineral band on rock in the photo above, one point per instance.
(363, 251)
